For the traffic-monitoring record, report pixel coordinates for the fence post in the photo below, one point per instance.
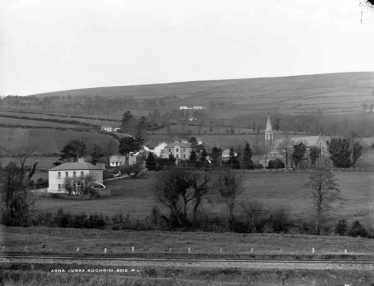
(313, 250)
(77, 249)
(345, 251)
(105, 250)
(132, 249)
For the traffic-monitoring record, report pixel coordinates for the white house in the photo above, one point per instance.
(180, 150)
(106, 128)
(57, 175)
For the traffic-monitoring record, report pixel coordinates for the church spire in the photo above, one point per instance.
(269, 130)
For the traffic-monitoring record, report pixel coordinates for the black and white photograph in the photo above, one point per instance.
(187, 142)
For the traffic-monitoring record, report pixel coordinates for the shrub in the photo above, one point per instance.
(279, 221)
(276, 164)
(358, 230)
(341, 227)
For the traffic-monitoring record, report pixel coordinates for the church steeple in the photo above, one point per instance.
(269, 136)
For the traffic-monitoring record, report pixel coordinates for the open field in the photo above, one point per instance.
(135, 196)
(49, 141)
(331, 93)
(66, 240)
(57, 119)
(152, 243)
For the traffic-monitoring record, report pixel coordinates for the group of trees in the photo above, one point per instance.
(182, 192)
(76, 149)
(343, 152)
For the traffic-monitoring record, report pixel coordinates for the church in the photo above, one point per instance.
(281, 146)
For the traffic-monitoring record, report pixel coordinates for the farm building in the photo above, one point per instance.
(180, 150)
(80, 169)
(120, 160)
(106, 128)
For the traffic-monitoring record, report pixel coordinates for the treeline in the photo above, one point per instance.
(359, 124)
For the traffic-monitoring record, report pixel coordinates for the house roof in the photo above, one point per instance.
(307, 140)
(182, 145)
(76, 166)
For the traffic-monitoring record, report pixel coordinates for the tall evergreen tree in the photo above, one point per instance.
(193, 158)
(247, 162)
(150, 162)
(216, 157)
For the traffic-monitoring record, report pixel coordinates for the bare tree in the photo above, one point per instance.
(325, 194)
(173, 191)
(230, 186)
(200, 184)
(15, 182)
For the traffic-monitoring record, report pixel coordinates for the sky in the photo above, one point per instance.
(50, 45)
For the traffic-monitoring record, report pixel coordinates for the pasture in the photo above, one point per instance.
(49, 141)
(135, 197)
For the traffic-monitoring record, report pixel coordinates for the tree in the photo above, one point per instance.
(15, 182)
(229, 186)
(344, 152)
(325, 194)
(142, 128)
(172, 189)
(73, 150)
(247, 162)
(96, 153)
(193, 142)
(298, 153)
(200, 184)
(150, 162)
(285, 148)
(203, 158)
(358, 230)
(233, 160)
(129, 144)
(341, 227)
(193, 158)
(314, 153)
(216, 157)
(277, 124)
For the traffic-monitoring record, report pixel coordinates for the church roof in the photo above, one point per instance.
(268, 125)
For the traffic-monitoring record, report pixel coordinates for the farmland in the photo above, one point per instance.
(48, 141)
(135, 196)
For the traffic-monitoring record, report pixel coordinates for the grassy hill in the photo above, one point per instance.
(331, 93)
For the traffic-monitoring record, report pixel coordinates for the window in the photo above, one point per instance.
(82, 173)
(74, 174)
(169, 150)
(183, 149)
(184, 156)
(59, 174)
(177, 150)
(66, 174)
(177, 156)
(59, 186)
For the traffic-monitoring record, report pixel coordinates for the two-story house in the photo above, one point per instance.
(180, 150)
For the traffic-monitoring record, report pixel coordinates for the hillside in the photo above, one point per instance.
(331, 93)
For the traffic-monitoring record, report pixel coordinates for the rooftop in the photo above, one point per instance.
(76, 166)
